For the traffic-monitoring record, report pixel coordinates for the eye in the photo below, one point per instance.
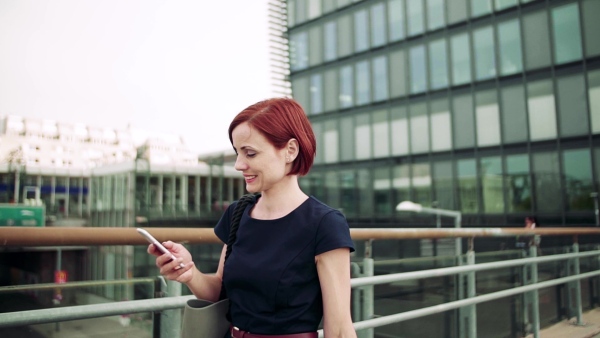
(250, 154)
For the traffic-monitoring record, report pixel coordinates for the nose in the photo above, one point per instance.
(240, 165)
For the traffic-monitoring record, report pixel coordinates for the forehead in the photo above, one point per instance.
(245, 135)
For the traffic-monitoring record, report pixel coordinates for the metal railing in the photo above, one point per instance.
(464, 271)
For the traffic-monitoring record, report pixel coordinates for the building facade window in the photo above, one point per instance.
(315, 39)
(330, 90)
(419, 128)
(380, 78)
(330, 41)
(480, 7)
(537, 40)
(415, 16)
(591, 26)
(461, 59)
(344, 40)
(381, 134)
(346, 86)
(443, 183)
(514, 114)
(347, 138)
(362, 137)
(594, 98)
(396, 19)
(567, 33)
(316, 94)
(485, 53)
(441, 126)
(503, 4)
(421, 183)
(509, 38)
(488, 118)
(466, 173)
(401, 183)
(378, 25)
(299, 51)
(418, 70)
(398, 74)
(363, 83)
(463, 121)
(547, 180)
(438, 64)
(492, 184)
(435, 14)
(361, 31)
(458, 11)
(542, 110)
(382, 187)
(330, 142)
(518, 183)
(400, 132)
(572, 108)
(579, 182)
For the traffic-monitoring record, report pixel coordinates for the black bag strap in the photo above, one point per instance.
(235, 220)
(234, 225)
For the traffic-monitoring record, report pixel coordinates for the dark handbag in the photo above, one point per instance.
(206, 319)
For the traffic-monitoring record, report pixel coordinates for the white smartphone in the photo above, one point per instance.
(156, 243)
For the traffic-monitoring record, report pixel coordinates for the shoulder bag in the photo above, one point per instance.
(206, 319)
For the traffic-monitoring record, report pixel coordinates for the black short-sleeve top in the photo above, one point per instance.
(271, 277)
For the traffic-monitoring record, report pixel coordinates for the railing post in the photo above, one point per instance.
(471, 292)
(577, 284)
(356, 294)
(525, 296)
(170, 320)
(534, 296)
(368, 294)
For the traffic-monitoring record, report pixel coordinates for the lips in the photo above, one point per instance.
(249, 178)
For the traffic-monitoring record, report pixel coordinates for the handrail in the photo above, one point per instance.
(69, 236)
(82, 284)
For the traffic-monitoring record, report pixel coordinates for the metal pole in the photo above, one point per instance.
(577, 285)
(594, 195)
(170, 320)
(472, 312)
(356, 294)
(368, 294)
(534, 295)
(460, 293)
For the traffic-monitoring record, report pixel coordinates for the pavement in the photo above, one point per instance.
(589, 328)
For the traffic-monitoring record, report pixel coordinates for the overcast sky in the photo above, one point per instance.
(176, 66)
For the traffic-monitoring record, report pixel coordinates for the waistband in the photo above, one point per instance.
(237, 333)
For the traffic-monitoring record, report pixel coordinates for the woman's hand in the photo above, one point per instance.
(170, 268)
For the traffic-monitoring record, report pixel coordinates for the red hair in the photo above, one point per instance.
(280, 120)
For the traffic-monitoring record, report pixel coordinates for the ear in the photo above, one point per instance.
(292, 149)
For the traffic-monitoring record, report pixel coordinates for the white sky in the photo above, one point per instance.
(174, 66)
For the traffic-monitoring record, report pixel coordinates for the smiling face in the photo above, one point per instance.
(262, 165)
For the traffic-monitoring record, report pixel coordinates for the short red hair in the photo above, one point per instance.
(280, 120)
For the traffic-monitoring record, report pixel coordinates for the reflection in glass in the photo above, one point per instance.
(361, 31)
(363, 83)
(397, 74)
(537, 40)
(488, 119)
(381, 139)
(518, 183)
(435, 14)
(461, 59)
(362, 137)
(400, 134)
(594, 97)
(380, 76)
(443, 175)
(567, 34)
(316, 94)
(464, 121)
(418, 71)
(347, 138)
(485, 53)
(441, 133)
(437, 64)
(396, 19)
(421, 183)
(346, 87)
(480, 7)
(401, 183)
(419, 128)
(348, 192)
(330, 41)
(466, 172)
(509, 37)
(542, 111)
(382, 187)
(578, 179)
(572, 107)
(492, 184)
(546, 176)
(299, 51)
(330, 142)
(415, 17)
(514, 114)
(378, 28)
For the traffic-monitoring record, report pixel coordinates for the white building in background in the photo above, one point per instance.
(82, 171)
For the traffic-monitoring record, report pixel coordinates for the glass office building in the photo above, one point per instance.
(490, 107)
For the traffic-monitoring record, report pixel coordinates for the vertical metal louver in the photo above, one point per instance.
(279, 54)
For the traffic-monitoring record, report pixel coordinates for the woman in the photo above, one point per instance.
(290, 265)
